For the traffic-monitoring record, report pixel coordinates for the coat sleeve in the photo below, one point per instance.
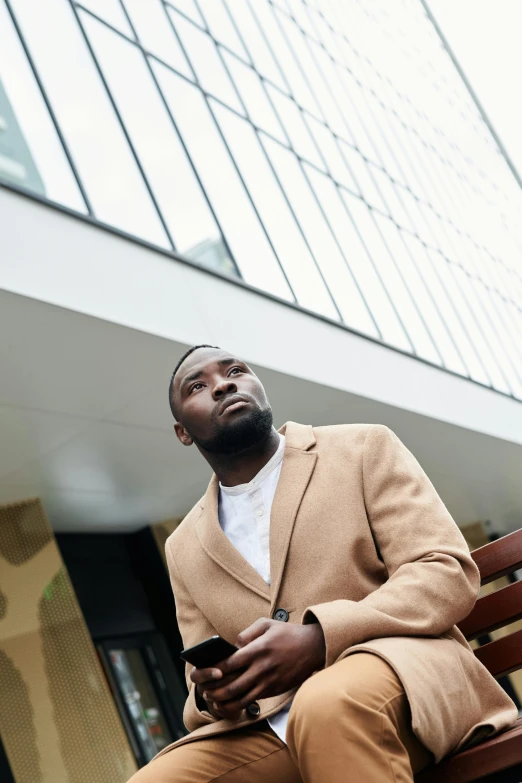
(194, 628)
(432, 580)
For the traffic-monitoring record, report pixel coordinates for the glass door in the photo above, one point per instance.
(139, 675)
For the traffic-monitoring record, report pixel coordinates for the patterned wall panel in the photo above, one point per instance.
(58, 722)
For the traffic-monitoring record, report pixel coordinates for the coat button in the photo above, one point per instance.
(253, 709)
(281, 615)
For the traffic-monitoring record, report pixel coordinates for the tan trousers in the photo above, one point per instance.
(350, 722)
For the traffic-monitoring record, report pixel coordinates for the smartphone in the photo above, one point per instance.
(209, 652)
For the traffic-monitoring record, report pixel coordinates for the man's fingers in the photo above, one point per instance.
(258, 628)
(231, 709)
(235, 688)
(244, 657)
(212, 685)
(199, 676)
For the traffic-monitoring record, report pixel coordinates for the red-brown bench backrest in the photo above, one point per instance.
(498, 609)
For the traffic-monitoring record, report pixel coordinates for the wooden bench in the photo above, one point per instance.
(498, 759)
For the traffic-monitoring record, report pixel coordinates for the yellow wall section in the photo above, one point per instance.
(58, 721)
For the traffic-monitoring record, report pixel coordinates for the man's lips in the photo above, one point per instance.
(233, 403)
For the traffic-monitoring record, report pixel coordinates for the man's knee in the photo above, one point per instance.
(319, 697)
(360, 683)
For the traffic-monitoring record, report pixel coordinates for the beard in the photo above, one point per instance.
(238, 435)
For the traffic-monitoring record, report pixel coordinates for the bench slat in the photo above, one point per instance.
(499, 558)
(492, 756)
(502, 656)
(494, 611)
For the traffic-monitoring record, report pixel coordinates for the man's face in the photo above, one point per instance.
(220, 403)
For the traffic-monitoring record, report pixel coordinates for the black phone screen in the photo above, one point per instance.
(209, 652)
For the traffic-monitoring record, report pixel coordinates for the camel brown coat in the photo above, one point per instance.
(361, 543)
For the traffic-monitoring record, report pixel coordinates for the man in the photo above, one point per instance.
(327, 556)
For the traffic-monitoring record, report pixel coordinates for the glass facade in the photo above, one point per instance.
(326, 152)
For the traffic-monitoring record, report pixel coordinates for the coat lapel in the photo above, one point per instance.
(296, 472)
(218, 547)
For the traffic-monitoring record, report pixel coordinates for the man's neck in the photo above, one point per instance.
(240, 468)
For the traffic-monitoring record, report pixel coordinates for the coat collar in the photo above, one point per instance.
(296, 471)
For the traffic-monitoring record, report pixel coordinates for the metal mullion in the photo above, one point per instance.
(176, 130)
(233, 160)
(203, 27)
(122, 125)
(50, 109)
(369, 255)
(471, 92)
(333, 97)
(475, 313)
(269, 45)
(502, 339)
(300, 162)
(293, 54)
(283, 192)
(475, 318)
(457, 313)
(238, 32)
(434, 299)
(397, 267)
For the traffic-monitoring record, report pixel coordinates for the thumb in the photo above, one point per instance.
(253, 631)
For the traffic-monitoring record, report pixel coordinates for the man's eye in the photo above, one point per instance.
(194, 388)
(234, 369)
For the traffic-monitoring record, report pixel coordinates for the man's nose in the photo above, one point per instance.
(226, 386)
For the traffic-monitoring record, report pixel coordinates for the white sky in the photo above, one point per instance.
(485, 37)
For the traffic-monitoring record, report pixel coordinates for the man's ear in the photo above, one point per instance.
(182, 434)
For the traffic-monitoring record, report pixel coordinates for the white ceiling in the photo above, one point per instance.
(85, 425)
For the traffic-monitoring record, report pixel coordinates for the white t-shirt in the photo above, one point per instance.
(244, 516)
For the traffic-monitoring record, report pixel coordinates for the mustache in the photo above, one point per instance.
(220, 406)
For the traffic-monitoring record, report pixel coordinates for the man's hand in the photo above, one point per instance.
(207, 679)
(273, 658)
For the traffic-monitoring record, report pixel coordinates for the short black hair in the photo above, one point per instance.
(176, 368)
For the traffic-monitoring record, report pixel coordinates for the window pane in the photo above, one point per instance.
(300, 14)
(31, 154)
(155, 33)
(162, 156)
(322, 243)
(433, 273)
(476, 324)
(357, 129)
(330, 150)
(363, 177)
(363, 269)
(206, 61)
(221, 27)
(189, 8)
(413, 264)
(294, 125)
(500, 340)
(391, 198)
(112, 12)
(329, 110)
(101, 153)
(255, 41)
(297, 64)
(285, 58)
(290, 246)
(391, 279)
(408, 290)
(251, 249)
(254, 96)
